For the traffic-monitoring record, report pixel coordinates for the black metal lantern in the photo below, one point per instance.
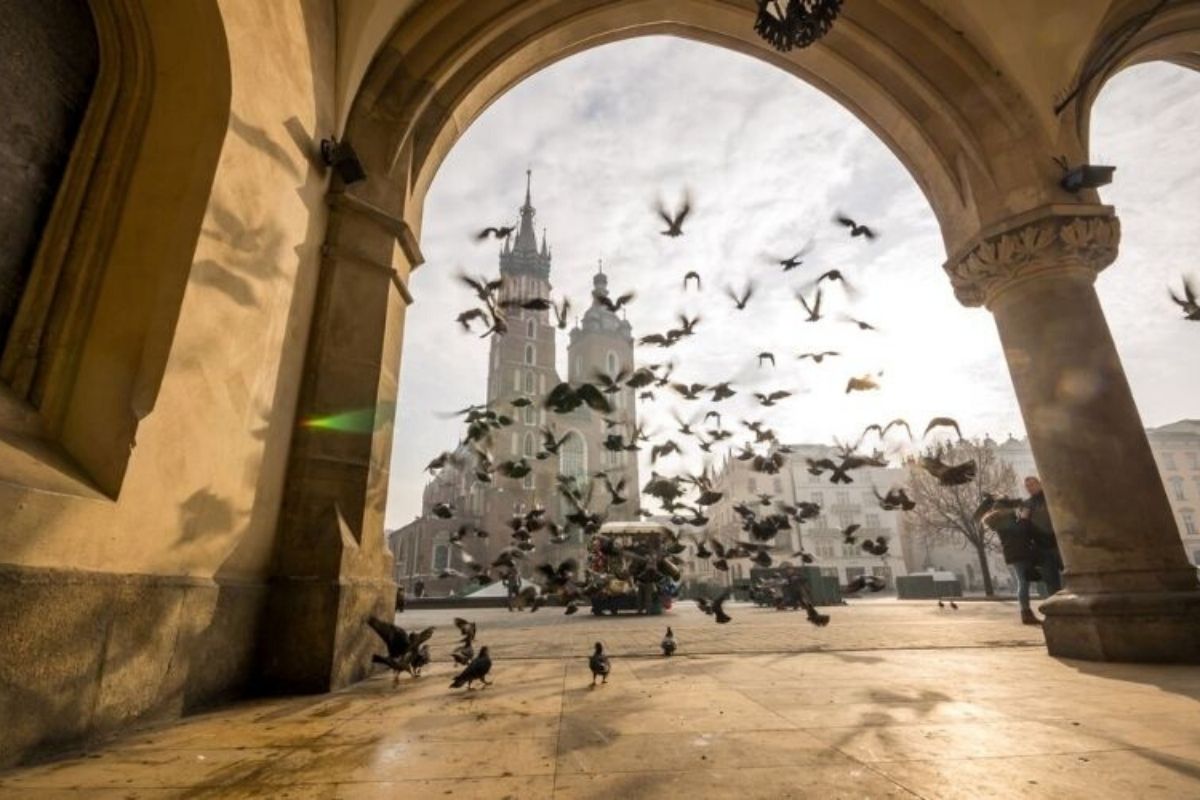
(795, 23)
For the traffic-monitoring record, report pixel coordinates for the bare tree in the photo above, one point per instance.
(949, 511)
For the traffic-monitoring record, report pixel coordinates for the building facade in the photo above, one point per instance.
(841, 505)
(1176, 449)
(523, 365)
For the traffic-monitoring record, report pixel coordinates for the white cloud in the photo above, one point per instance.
(768, 159)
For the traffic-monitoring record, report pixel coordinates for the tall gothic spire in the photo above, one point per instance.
(520, 254)
(526, 238)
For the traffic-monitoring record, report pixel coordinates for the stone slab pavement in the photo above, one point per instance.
(875, 624)
(891, 700)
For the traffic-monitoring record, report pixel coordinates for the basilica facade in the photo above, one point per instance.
(523, 365)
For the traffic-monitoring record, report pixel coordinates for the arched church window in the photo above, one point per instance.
(529, 381)
(531, 329)
(516, 380)
(529, 354)
(612, 363)
(531, 415)
(527, 449)
(572, 458)
(441, 557)
(572, 463)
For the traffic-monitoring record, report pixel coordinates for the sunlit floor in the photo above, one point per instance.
(891, 700)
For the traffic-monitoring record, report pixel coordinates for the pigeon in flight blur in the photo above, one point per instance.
(674, 221)
(1189, 303)
(895, 498)
(943, 422)
(855, 228)
(814, 311)
(793, 261)
(613, 305)
(947, 474)
(740, 300)
(497, 232)
(405, 652)
(865, 383)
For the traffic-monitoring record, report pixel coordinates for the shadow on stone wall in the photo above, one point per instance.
(87, 653)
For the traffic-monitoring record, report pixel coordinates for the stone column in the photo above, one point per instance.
(1130, 593)
(331, 565)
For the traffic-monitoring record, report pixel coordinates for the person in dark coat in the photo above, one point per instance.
(1047, 560)
(1016, 543)
(512, 586)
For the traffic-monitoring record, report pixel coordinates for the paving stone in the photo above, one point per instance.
(746, 710)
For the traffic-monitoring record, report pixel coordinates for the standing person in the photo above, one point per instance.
(1017, 545)
(399, 599)
(512, 584)
(419, 589)
(1036, 515)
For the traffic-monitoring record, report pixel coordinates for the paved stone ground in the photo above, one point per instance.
(892, 700)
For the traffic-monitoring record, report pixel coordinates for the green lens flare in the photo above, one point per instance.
(362, 420)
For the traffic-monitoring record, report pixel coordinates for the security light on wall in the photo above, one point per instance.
(1085, 176)
(344, 161)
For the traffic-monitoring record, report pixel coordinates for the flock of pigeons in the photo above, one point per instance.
(685, 497)
(410, 653)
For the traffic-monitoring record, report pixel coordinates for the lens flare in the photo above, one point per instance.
(361, 420)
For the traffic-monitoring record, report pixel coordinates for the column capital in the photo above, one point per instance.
(1053, 239)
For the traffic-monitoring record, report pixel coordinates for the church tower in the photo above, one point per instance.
(602, 342)
(522, 366)
(521, 363)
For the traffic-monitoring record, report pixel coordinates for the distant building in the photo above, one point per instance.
(697, 576)
(841, 505)
(1176, 449)
(523, 364)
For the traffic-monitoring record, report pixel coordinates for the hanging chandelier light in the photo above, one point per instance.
(795, 23)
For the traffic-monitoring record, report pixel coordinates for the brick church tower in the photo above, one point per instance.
(522, 363)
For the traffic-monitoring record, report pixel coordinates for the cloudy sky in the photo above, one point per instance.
(768, 159)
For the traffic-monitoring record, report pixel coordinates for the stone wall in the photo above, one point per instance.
(48, 60)
(148, 603)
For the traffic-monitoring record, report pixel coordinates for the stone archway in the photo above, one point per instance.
(970, 134)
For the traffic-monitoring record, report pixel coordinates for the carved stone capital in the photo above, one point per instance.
(1034, 245)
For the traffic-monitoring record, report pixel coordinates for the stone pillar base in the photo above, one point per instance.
(1143, 627)
(316, 638)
